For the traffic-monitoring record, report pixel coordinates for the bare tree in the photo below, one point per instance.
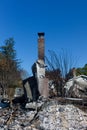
(58, 67)
(64, 61)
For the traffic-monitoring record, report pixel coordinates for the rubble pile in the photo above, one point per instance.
(76, 87)
(62, 117)
(51, 116)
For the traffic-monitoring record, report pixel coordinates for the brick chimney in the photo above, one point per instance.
(42, 81)
(41, 47)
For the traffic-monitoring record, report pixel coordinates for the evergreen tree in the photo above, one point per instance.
(82, 71)
(9, 65)
(8, 49)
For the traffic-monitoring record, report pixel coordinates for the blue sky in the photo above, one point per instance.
(63, 21)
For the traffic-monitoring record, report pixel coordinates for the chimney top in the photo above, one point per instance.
(41, 34)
